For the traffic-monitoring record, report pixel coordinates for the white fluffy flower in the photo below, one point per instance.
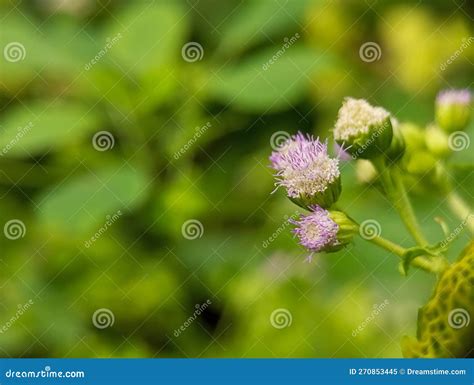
(356, 117)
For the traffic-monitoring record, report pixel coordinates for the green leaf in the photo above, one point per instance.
(147, 36)
(258, 21)
(81, 204)
(411, 254)
(257, 85)
(42, 127)
(22, 50)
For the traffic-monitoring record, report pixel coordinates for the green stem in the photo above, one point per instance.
(434, 265)
(456, 203)
(395, 189)
(430, 265)
(387, 245)
(406, 209)
(461, 209)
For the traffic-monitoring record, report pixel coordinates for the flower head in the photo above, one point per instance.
(367, 130)
(307, 172)
(316, 231)
(449, 97)
(453, 109)
(324, 230)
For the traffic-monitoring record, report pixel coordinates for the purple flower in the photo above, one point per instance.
(448, 97)
(304, 167)
(341, 152)
(316, 231)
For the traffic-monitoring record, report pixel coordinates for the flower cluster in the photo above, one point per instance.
(392, 153)
(312, 179)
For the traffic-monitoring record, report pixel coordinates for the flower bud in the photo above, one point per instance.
(323, 230)
(420, 163)
(347, 228)
(413, 136)
(366, 131)
(453, 110)
(307, 172)
(397, 147)
(366, 173)
(437, 141)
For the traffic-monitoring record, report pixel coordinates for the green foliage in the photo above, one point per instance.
(153, 37)
(47, 126)
(283, 84)
(251, 25)
(118, 67)
(95, 195)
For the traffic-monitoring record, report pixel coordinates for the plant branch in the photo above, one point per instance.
(394, 187)
(431, 265)
(461, 209)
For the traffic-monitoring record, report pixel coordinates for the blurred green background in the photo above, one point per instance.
(112, 123)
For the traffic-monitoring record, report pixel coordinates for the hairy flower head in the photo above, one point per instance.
(355, 117)
(316, 231)
(365, 130)
(448, 97)
(305, 169)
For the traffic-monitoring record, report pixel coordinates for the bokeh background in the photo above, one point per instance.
(121, 121)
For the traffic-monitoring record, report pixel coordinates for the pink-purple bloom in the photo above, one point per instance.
(342, 152)
(316, 231)
(448, 97)
(304, 167)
